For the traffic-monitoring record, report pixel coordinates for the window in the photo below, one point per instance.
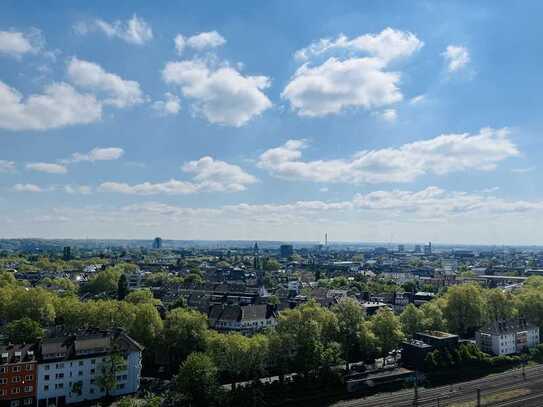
(81, 363)
(46, 387)
(47, 367)
(59, 386)
(28, 389)
(59, 365)
(120, 386)
(29, 377)
(3, 381)
(59, 376)
(46, 377)
(3, 369)
(14, 403)
(15, 390)
(16, 369)
(2, 392)
(15, 379)
(93, 361)
(93, 371)
(28, 402)
(29, 367)
(80, 373)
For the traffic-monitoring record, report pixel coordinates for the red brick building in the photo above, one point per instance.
(18, 371)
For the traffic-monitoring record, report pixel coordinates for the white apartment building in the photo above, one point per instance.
(70, 367)
(507, 337)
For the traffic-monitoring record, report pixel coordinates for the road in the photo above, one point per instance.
(508, 389)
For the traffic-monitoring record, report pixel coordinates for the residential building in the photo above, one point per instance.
(71, 368)
(17, 376)
(507, 337)
(414, 351)
(246, 319)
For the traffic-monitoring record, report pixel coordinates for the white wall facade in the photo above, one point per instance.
(62, 379)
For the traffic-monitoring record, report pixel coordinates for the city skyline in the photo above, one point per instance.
(404, 122)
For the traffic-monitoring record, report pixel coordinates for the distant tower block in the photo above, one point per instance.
(157, 243)
(326, 239)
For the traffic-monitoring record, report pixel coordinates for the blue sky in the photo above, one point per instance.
(396, 121)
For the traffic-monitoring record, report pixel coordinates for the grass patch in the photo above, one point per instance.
(495, 397)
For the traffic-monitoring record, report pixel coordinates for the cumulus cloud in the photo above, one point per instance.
(456, 57)
(215, 175)
(355, 76)
(97, 154)
(221, 94)
(7, 166)
(134, 31)
(119, 92)
(16, 44)
(170, 105)
(209, 175)
(389, 44)
(389, 115)
(440, 155)
(59, 105)
(199, 42)
(27, 188)
(50, 168)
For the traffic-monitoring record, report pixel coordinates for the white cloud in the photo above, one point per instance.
(389, 44)
(97, 154)
(199, 42)
(134, 31)
(356, 78)
(49, 168)
(222, 95)
(27, 188)
(416, 100)
(60, 105)
(209, 175)
(215, 175)
(17, 44)
(441, 155)
(389, 115)
(170, 105)
(456, 57)
(77, 189)
(119, 92)
(7, 166)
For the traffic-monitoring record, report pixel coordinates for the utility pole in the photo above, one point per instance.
(478, 397)
(416, 389)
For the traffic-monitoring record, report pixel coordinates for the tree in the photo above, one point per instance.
(464, 309)
(122, 287)
(304, 335)
(350, 317)
(111, 365)
(106, 281)
(143, 296)
(147, 325)
(499, 305)
(388, 330)
(185, 331)
(271, 264)
(197, 379)
(412, 320)
(23, 330)
(433, 316)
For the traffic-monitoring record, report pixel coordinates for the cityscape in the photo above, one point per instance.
(265, 204)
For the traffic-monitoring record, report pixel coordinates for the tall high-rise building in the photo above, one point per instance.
(428, 249)
(401, 248)
(67, 253)
(157, 243)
